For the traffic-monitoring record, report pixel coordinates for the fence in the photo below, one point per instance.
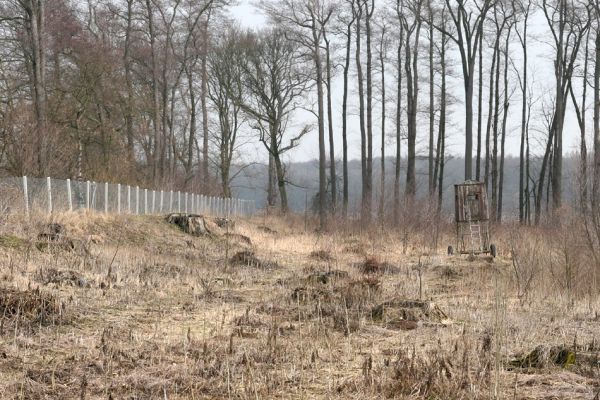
(47, 195)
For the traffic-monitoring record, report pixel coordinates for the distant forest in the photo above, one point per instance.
(303, 188)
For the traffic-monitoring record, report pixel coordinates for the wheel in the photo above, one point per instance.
(493, 250)
(450, 250)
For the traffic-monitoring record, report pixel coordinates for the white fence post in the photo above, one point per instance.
(171, 201)
(106, 197)
(161, 201)
(178, 201)
(118, 198)
(88, 188)
(137, 200)
(128, 199)
(146, 201)
(153, 200)
(69, 195)
(186, 202)
(26, 195)
(49, 188)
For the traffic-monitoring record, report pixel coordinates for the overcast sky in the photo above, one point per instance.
(540, 70)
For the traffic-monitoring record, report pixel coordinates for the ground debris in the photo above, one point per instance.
(194, 224)
(322, 255)
(326, 277)
(63, 277)
(32, 306)
(544, 356)
(53, 237)
(396, 312)
(247, 258)
(372, 265)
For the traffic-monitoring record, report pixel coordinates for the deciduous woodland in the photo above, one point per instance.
(175, 93)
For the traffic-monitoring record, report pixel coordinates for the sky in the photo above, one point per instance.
(541, 75)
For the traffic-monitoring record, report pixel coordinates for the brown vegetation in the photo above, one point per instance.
(152, 312)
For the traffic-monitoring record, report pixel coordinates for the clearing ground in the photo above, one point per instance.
(101, 307)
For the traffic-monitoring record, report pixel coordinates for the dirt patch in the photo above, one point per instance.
(372, 265)
(447, 273)
(266, 229)
(239, 238)
(326, 277)
(54, 237)
(29, 307)
(247, 258)
(394, 313)
(322, 255)
(59, 277)
(225, 223)
(304, 294)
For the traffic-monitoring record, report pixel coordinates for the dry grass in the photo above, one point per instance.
(139, 309)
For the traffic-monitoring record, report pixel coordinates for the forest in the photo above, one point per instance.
(179, 94)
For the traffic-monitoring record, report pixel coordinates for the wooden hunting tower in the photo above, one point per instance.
(472, 219)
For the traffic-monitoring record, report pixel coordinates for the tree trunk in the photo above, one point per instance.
(504, 118)
(361, 106)
(203, 102)
(442, 128)
(479, 111)
(431, 106)
(369, 174)
(332, 176)
(398, 130)
(321, 115)
(271, 195)
(523, 180)
(383, 100)
(596, 170)
(281, 183)
(345, 120)
(155, 95)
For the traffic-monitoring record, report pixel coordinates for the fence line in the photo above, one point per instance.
(28, 195)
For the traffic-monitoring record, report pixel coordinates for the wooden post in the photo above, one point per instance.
(137, 200)
(145, 201)
(118, 198)
(161, 201)
(128, 199)
(178, 201)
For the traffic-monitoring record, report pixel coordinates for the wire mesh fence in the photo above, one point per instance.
(46, 195)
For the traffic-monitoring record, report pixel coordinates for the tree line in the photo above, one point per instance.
(174, 92)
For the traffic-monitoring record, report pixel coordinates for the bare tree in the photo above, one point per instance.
(568, 26)
(411, 62)
(348, 34)
(399, 12)
(306, 23)
(276, 81)
(523, 8)
(383, 49)
(226, 92)
(468, 21)
(332, 176)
